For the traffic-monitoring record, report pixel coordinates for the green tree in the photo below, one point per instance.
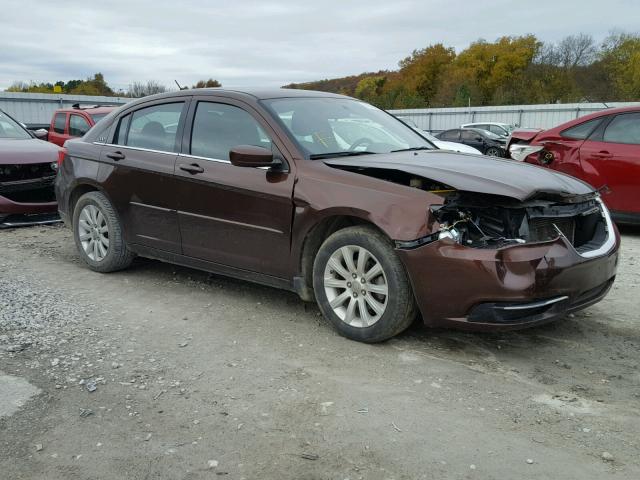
(621, 60)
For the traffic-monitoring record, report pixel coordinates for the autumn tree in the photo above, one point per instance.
(621, 60)
(207, 83)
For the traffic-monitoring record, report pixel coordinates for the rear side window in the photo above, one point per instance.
(582, 130)
(451, 135)
(624, 129)
(78, 126)
(59, 122)
(152, 128)
(218, 127)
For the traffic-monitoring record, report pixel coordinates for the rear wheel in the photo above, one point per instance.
(98, 234)
(361, 285)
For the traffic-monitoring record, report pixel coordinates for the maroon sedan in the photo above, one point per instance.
(602, 148)
(340, 202)
(27, 172)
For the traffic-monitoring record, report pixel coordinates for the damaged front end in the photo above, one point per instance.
(488, 221)
(27, 194)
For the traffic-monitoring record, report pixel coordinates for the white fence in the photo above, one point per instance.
(36, 109)
(533, 116)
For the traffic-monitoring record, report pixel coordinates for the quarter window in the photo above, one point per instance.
(153, 128)
(78, 126)
(59, 122)
(218, 127)
(581, 131)
(624, 129)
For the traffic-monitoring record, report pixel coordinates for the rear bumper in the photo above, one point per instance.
(513, 287)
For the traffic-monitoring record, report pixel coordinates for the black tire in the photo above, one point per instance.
(400, 308)
(493, 152)
(118, 255)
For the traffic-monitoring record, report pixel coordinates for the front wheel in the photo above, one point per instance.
(98, 234)
(493, 152)
(361, 285)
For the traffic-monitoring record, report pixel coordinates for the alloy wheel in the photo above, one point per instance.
(93, 233)
(356, 286)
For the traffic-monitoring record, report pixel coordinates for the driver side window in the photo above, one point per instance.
(218, 127)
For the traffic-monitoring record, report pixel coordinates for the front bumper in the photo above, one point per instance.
(14, 214)
(508, 288)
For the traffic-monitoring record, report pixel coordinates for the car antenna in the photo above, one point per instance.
(179, 87)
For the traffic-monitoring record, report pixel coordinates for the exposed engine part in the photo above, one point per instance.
(472, 220)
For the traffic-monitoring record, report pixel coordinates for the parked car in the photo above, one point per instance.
(602, 149)
(27, 172)
(482, 140)
(497, 128)
(256, 185)
(74, 122)
(442, 145)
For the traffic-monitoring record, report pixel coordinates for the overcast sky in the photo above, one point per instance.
(270, 42)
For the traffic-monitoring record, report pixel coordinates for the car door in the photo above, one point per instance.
(138, 172)
(234, 216)
(58, 132)
(78, 125)
(611, 157)
(473, 139)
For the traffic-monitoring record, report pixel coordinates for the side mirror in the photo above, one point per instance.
(41, 133)
(251, 156)
(478, 139)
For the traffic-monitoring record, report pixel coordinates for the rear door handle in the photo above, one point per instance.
(603, 154)
(192, 168)
(116, 156)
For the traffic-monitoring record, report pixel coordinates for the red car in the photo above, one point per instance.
(75, 122)
(27, 170)
(602, 148)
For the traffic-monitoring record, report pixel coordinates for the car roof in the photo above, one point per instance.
(90, 110)
(487, 123)
(253, 93)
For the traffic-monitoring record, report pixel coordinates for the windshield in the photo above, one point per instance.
(9, 128)
(326, 127)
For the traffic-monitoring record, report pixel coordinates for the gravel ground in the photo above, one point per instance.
(166, 372)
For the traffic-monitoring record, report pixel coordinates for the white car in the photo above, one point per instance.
(441, 144)
(502, 129)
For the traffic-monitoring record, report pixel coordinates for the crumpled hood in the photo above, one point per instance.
(472, 173)
(27, 151)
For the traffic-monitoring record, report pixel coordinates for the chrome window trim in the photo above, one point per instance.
(140, 149)
(210, 159)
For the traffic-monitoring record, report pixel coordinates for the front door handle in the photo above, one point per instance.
(602, 154)
(116, 156)
(192, 168)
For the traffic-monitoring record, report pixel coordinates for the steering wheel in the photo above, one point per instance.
(359, 142)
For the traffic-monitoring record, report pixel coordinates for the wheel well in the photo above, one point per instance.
(76, 194)
(318, 234)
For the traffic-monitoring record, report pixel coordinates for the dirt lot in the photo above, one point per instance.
(166, 372)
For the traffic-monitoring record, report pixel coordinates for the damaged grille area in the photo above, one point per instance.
(482, 222)
(28, 183)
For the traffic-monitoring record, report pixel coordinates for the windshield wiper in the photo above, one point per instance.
(316, 156)
(411, 149)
